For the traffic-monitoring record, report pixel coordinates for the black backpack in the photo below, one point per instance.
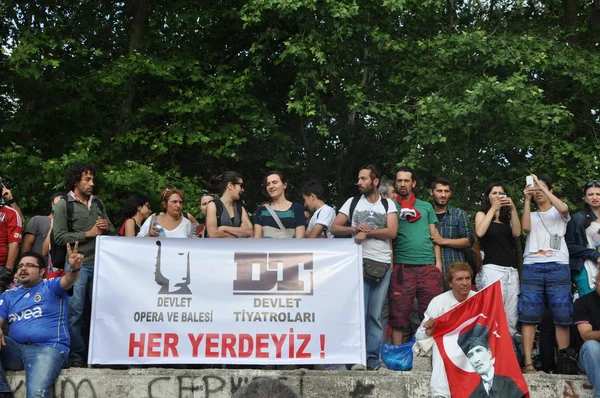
(353, 204)
(220, 207)
(58, 253)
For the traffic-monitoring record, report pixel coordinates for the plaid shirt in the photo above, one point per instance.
(455, 225)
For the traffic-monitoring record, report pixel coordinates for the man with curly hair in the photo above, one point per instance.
(80, 217)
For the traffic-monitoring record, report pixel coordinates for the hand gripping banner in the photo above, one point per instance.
(477, 350)
(227, 301)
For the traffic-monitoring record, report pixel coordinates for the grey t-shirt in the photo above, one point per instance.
(38, 226)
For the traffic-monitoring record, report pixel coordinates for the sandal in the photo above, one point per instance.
(529, 369)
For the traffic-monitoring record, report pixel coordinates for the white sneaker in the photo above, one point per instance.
(358, 366)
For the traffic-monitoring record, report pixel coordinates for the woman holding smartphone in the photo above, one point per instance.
(546, 277)
(497, 225)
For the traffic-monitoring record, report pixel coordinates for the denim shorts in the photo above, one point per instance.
(546, 284)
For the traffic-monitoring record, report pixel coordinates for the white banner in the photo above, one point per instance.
(227, 301)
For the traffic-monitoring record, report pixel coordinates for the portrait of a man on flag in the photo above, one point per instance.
(474, 343)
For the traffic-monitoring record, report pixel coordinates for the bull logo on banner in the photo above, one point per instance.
(477, 350)
(164, 282)
(273, 273)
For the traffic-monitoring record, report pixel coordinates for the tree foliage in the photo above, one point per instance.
(158, 93)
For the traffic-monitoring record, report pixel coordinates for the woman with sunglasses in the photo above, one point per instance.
(546, 278)
(497, 225)
(171, 222)
(135, 211)
(583, 240)
(281, 218)
(205, 199)
(225, 215)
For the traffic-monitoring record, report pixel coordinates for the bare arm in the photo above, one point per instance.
(300, 230)
(338, 227)
(437, 250)
(315, 232)
(13, 253)
(526, 217)
(389, 232)
(243, 231)
(515, 223)
(483, 221)
(586, 332)
(212, 231)
(27, 242)
(130, 227)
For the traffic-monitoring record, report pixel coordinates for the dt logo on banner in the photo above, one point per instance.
(273, 273)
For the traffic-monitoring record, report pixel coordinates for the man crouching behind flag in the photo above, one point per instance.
(469, 330)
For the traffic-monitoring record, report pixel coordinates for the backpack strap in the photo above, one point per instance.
(353, 206)
(70, 213)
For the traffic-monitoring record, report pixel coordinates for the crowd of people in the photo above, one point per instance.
(408, 247)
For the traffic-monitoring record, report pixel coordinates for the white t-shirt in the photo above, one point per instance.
(438, 306)
(183, 230)
(593, 238)
(324, 216)
(543, 224)
(373, 214)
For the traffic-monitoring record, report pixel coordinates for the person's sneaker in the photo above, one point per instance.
(75, 364)
(374, 368)
(358, 366)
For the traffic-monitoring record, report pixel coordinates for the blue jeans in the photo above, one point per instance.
(589, 362)
(41, 364)
(374, 298)
(81, 289)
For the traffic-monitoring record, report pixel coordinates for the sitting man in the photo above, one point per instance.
(587, 318)
(458, 276)
(36, 311)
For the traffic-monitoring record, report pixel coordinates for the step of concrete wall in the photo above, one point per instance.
(221, 383)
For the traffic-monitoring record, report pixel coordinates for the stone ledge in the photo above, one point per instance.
(217, 383)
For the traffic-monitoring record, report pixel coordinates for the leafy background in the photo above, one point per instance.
(171, 92)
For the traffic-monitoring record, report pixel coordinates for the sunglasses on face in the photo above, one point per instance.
(241, 184)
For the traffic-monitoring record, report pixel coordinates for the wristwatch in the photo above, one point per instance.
(75, 270)
(10, 201)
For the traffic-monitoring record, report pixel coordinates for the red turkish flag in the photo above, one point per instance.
(476, 347)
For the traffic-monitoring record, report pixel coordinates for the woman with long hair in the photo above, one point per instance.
(171, 223)
(546, 278)
(583, 240)
(497, 225)
(205, 199)
(225, 215)
(281, 218)
(135, 211)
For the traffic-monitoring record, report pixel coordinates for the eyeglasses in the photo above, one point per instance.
(592, 182)
(27, 265)
(241, 184)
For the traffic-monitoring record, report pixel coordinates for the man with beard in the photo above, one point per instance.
(373, 224)
(454, 232)
(80, 217)
(417, 268)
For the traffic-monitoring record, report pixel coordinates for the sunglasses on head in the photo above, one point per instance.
(592, 182)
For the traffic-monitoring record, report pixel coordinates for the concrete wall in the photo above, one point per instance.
(217, 383)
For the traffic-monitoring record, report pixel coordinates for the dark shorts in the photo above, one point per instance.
(423, 282)
(546, 284)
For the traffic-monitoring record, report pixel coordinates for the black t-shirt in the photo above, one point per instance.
(587, 310)
(441, 216)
